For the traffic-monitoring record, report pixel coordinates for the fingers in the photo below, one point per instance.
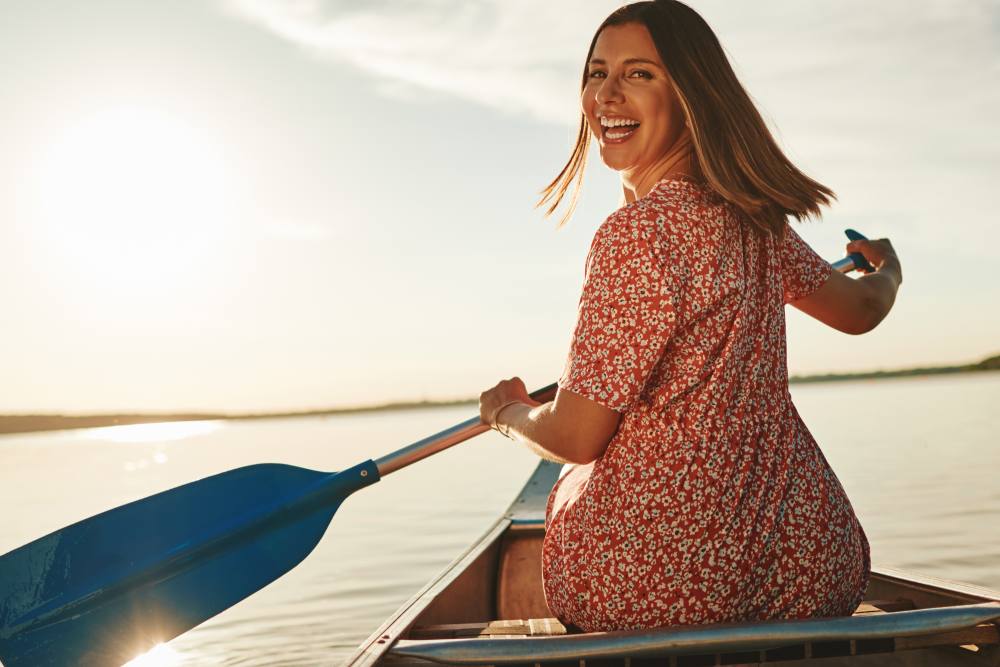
(864, 248)
(872, 245)
(876, 251)
(514, 385)
(512, 389)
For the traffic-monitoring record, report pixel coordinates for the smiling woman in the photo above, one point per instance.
(129, 201)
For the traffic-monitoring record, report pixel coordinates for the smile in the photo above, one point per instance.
(617, 129)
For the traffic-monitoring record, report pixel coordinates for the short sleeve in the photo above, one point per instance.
(802, 270)
(624, 320)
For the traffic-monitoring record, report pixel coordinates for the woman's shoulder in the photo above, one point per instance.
(677, 212)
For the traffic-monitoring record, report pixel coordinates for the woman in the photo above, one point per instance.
(699, 494)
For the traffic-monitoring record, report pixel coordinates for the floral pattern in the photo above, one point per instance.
(712, 503)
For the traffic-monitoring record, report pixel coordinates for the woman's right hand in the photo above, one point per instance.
(880, 253)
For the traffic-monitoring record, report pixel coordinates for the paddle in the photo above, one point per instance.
(855, 260)
(108, 588)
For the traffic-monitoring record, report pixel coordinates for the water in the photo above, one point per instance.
(917, 456)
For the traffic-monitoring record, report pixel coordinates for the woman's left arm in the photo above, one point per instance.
(570, 429)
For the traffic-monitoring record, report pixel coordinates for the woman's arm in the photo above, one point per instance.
(570, 429)
(856, 306)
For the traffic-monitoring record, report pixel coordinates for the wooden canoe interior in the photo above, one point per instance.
(499, 594)
(492, 593)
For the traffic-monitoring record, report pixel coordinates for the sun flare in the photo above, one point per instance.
(132, 198)
(160, 655)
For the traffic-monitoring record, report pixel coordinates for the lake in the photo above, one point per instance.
(918, 458)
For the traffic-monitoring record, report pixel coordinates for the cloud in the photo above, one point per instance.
(891, 103)
(894, 101)
(852, 63)
(519, 56)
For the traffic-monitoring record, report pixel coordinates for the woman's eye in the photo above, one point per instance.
(641, 73)
(596, 74)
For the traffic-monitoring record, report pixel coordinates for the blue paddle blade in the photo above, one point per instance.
(108, 588)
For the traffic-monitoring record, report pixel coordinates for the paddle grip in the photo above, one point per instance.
(446, 438)
(854, 261)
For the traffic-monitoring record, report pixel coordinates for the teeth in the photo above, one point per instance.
(619, 135)
(617, 122)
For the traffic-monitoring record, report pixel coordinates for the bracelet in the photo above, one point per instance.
(496, 413)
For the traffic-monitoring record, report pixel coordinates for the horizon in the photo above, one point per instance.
(831, 376)
(250, 205)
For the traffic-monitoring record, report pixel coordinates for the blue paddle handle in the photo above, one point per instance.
(855, 261)
(859, 260)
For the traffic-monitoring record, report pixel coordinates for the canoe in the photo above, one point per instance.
(487, 608)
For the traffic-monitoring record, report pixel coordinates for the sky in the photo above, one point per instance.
(251, 205)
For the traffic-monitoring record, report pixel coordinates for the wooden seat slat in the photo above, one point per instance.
(534, 627)
(883, 606)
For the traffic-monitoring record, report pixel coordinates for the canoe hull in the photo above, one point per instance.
(467, 615)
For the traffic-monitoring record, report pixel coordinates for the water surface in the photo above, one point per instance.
(917, 456)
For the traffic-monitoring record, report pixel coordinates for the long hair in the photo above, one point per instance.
(735, 152)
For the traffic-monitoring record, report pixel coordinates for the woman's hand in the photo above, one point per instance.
(879, 253)
(505, 393)
(567, 429)
(856, 306)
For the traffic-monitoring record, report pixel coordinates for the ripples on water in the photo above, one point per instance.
(918, 458)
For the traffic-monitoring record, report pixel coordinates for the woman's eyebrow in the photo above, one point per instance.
(628, 61)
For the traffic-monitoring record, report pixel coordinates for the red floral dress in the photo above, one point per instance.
(712, 503)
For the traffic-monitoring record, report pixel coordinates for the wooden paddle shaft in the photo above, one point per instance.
(446, 438)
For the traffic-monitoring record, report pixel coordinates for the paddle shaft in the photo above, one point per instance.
(446, 438)
(845, 265)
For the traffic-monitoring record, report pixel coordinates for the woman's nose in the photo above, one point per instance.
(609, 91)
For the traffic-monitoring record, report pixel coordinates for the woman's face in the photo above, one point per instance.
(629, 102)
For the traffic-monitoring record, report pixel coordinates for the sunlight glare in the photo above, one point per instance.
(158, 432)
(131, 197)
(160, 655)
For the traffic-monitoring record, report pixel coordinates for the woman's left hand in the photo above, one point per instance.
(503, 393)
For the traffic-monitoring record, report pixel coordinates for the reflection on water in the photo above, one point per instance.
(160, 655)
(918, 458)
(161, 432)
(156, 458)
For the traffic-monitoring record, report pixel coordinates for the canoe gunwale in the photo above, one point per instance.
(376, 645)
(935, 586)
(695, 640)
(526, 513)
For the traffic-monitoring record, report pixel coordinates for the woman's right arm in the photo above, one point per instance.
(856, 306)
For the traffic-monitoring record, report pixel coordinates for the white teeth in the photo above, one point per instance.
(619, 135)
(617, 122)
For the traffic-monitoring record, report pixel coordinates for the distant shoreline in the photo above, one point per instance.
(988, 364)
(10, 424)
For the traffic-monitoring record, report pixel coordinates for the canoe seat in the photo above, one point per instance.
(884, 606)
(533, 627)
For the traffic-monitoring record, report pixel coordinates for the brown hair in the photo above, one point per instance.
(735, 152)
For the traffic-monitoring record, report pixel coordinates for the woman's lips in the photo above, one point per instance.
(618, 135)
